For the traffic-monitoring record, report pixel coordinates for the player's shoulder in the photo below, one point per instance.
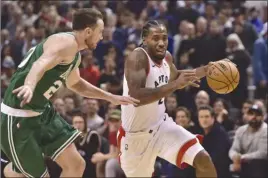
(137, 55)
(62, 41)
(169, 58)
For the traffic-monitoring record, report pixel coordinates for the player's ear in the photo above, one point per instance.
(88, 31)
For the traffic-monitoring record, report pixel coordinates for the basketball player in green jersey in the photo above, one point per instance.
(30, 127)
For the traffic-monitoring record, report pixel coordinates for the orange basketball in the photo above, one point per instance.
(223, 77)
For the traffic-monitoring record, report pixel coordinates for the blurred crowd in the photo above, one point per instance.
(234, 127)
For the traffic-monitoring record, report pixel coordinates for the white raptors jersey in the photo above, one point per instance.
(143, 117)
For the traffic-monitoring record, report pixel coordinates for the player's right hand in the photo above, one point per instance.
(25, 93)
(187, 77)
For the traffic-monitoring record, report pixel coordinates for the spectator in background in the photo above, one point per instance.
(221, 114)
(69, 106)
(29, 17)
(179, 37)
(16, 20)
(7, 70)
(109, 81)
(237, 53)
(245, 30)
(255, 20)
(216, 42)
(112, 167)
(210, 12)
(5, 39)
(88, 144)
(245, 107)
(29, 40)
(89, 71)
(59, 106)
(16, 45)
(261, 104)
(260, 64)
(201, 98)
(249, 149)
(171, 105)
(94, 121)
(216, 141)
(183, 118)
(225, 21)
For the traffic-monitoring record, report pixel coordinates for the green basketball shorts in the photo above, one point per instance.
(27, 137)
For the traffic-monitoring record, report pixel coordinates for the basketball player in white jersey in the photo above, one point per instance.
(147, 131)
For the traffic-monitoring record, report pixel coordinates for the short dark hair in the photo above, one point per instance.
(185, 110)
(148, 25)
(208, 108)
(86, 17)
(77, 112)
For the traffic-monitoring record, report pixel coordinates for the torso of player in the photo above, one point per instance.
(143, 117)
(52, 80)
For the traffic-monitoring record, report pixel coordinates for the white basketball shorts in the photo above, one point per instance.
(138, 151)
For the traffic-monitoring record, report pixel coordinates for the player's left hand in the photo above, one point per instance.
(25, 92)
(97, 157)
(123, 100)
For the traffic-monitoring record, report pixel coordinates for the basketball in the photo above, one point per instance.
(223, 77)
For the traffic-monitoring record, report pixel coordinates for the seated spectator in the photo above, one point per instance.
(246, 105)
(89, 71)
(59, 106)
(183, 118)
(171, 105)
(88, 144)
(69, 106)
(94, 121)
(216, 141)
(221, 114)
(109, 81)
(261, 104)
(112, 167)
(249, 149)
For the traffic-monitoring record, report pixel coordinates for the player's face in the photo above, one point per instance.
(94, 35)
(182, 119)
(78, 123)
(157, 42)
(205, 119)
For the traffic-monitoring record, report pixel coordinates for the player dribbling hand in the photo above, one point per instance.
(187, 77)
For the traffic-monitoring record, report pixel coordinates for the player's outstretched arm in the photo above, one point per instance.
(83, 88)
(135, 71)
(174, 72)
(55, 49)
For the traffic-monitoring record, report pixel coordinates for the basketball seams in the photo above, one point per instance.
(230, 71)
(224, 76)
(217, 80)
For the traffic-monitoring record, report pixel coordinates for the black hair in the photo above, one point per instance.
(86, 17)
(224, 102)
(147, 26)
(208, 108)
(77, 112)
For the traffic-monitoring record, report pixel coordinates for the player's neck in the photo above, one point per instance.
(80, 40)
(157, 61)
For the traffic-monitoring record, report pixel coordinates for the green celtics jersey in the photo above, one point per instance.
(51, 81)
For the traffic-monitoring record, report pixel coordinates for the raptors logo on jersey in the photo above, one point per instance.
(142, 117)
